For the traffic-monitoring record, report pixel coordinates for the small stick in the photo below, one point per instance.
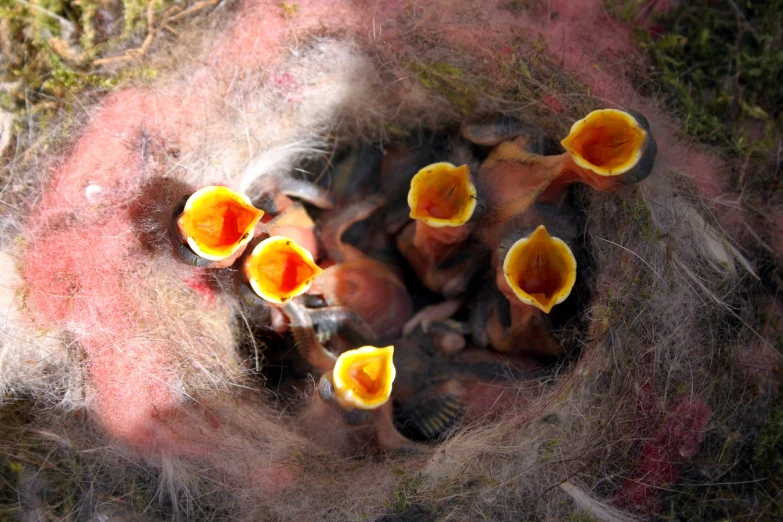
(171, 15)
(59, 18)
(139, 51)
(192, 9)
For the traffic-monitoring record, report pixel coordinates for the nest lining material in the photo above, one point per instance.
(661, 311)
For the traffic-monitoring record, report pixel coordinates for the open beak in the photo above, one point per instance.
(540, 270)
(217, 222)
(278, 269)
(363, 377)
(613, 144)
(442, 195)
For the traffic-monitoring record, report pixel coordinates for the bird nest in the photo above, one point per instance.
(227, 399)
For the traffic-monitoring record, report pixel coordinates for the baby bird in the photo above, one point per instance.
(533, 272)
(430, 390)
(442, 200)
(213, 226)
(492, 131)
(354, 386)
(369, 288)
(282, 198)
(434, 390)
(606, 150)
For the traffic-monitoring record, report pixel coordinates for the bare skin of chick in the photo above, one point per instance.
(434, 388)
(283, 216)
(431, 391)
(510, 329)
(322, 361)
(288, 218)
(514, 176)
(447, 273)
(497, 317)
(357, 282)
(282, 198)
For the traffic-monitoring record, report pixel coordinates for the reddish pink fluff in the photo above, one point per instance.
(202, 283)
(80, 260)
(674, 442)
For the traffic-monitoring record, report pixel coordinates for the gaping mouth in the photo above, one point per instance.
(279, 269)
(363, 377)
(216, 222)
(540, 269)
(442, 195)
(607, 142)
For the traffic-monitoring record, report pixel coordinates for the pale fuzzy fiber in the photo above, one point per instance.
(100, 318)
(30, 360)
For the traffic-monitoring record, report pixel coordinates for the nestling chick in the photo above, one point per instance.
(398, 166)
(355, 176)
(442, 200)
(432, 390)
(282, 266)
(356, 385)
(278, 269)
(368, 287)
(214, 225)
(276, 193)
(533, 273)
(282, 198)
(495, 130)
(606, 150)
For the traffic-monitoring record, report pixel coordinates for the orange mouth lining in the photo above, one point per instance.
(541, 270)
(538, 278)
(218, 224)
(363, 377)
(369, 377)
(218, 220)
(608, 140)
(279, 269)
(444, 193)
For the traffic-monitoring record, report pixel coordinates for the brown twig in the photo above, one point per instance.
(192, 9)
(171, 15)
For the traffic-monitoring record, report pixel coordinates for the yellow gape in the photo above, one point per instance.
(216, 222)
(442, 195)
(540, 269)
(607, 142)
(363, 377)
(279, 269)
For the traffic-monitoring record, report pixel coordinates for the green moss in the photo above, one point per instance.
(548, 450)
(518, 6)
(397, 130)
(407, 490)
(583, 515)
(289, 9)
(48, 64)
(639, 215)
(718, 65)
(135, 14)
(539, 76)
(448, 80)
(625, 10)
(768, 457)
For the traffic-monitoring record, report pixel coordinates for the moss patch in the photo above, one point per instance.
(718, 65)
